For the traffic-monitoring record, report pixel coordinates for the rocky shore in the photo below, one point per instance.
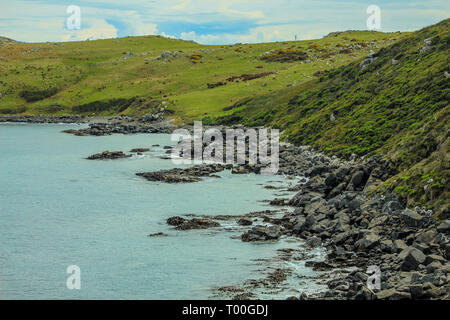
(44, 119)
(335, 210)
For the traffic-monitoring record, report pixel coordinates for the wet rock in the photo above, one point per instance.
(175, 221)
(262, 233)
(194, 223)
(314, 242)
(139, 150)
(158, 234)
(245, 222)
(188, 175)
(109, 155)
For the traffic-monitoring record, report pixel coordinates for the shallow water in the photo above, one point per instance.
(59, 209)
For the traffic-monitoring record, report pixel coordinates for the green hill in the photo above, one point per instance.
(125, 75)
(396, 103)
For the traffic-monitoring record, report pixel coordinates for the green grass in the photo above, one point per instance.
(36, 77)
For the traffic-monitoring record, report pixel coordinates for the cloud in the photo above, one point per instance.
(99, 30)
(210, 22)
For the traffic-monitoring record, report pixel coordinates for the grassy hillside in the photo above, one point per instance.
(123, 76)
(397, 105)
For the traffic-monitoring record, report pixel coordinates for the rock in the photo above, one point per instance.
(444, 226)
(357, 178)
(262, 233)
(416, 291)
(331, 180)
(431, 291)
(432, 267)
(392, 207)
(411, 258)
(188, 175)
(139, 150)
(159, 234)
(392, 294)
(245, 222)
(426, 237)
(434, 257)
(354, 204)
(399, 245)
(364, 294)
(314, 242)
(197, 223)
(378, 221)
(411, 218)
(368, 241)
(109, 155)
(175, 221)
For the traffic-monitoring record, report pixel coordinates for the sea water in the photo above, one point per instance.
(58, 209)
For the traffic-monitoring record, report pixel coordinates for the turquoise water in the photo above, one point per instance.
(58, 209)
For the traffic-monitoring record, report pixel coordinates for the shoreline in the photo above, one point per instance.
(332, 210)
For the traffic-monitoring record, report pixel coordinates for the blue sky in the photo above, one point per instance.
(208, 21)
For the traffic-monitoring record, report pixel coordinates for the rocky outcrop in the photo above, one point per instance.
(262, 233)
(193, 174)
(109, 155)
(191, 224)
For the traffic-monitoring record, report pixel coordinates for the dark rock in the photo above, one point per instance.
(197, 223)
(314, 242)
(139, 150)
(262, 233)
(444, 226)
(109, 155)
(392, 294)
(357, 178)
(368, 241)
(411, 258)
(411, 218)
(159, 234)
(245, 222)
(175, 221)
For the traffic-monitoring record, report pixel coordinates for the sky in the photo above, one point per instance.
(208, 21)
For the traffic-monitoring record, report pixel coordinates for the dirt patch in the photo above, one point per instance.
(284, 55)
(243, 77)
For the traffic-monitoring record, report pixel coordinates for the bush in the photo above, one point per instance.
(35, 94)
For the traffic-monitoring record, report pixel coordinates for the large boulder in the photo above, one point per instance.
(444, 226)
(368, 241)
(392, 294)
(411, 258)
(411, 218)
(262, 233)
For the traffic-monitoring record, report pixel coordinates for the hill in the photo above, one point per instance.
(131, 76)
(394, 102)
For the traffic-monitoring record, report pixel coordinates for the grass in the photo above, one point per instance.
(39, 76)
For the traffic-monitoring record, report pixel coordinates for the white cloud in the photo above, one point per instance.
(99, 30)
(236, 20)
